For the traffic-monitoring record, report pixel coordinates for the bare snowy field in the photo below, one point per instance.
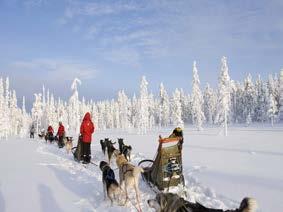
(219, 171)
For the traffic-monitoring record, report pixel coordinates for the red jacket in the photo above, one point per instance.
(61, 130)
(50, 129)
(87, 128)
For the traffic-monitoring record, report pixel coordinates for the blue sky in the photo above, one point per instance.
(109, 45)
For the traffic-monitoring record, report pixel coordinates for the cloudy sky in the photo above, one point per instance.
(110, 44)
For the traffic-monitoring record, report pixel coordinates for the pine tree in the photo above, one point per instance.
(209, 104)
(37, 111)
(123, 110)
(176, 110)
(249, 101)
(272, 110)
(74, 108)
(143, 107)
(164, 108)
(261, 101)
(281, 97)
(2, 109)
(224, 99)
(197, 100)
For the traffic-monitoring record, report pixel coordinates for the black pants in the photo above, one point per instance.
(32, 135)
(61, 142)
(86, 152)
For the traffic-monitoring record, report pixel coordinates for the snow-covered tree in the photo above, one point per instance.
(74, 108)
(197, 100)
(37, 111)
(209, 104)
(272, 109)
(123, 103)
(224, 99)
(176, 110)
(164, 106)
(249, 99)
(143, 121)
(281, 97)
(261, 101)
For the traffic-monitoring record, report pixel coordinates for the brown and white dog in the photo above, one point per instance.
(169, 202)
(68, 141)
(129, 176)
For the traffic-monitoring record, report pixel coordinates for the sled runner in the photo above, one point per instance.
(166, 169)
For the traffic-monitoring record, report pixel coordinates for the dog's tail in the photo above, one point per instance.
(137, 171)
(248, 205)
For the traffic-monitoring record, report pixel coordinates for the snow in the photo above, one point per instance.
(219, 170)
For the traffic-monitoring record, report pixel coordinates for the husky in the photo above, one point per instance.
(103, 145)
(110, 185)
(111, 150)
(68, 141)
(125, 149)
(129, 176)
(121, 144)
(169, 202)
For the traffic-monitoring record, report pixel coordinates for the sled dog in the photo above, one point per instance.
(103, 145)
(110, 185)
(111, 150)
(68, 141)
(127, 152)
(121, 144)
(129, 176)
(125, 149)
(169, 202)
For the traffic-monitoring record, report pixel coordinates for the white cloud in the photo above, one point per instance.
(125, 56)
(76, 8)
(55, 69)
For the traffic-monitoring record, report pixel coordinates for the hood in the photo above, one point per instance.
(87, 117)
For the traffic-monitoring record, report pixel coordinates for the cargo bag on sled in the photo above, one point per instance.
(77, 151)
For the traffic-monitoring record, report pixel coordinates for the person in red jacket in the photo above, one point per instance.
(61, 134)
(87, 128)
(50, 133)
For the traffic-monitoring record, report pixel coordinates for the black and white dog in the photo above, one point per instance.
(111, 150)
(125, 149)
(103, 146)
(169, 202)
(121, 144)
(110, 185)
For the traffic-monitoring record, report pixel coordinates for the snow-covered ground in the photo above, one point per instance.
(219, 171)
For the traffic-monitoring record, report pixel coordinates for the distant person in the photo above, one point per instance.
(87, 128)
(50, 133)
(61, 135)
(32, 131)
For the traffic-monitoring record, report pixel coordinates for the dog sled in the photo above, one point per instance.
(77, 151)
(166, 169)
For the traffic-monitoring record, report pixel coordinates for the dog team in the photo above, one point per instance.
(129, 173)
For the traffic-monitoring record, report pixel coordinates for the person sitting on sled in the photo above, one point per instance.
(50, 133)
(177, 132)
(61, 134)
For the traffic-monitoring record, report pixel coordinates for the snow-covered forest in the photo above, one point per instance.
(247, 101)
